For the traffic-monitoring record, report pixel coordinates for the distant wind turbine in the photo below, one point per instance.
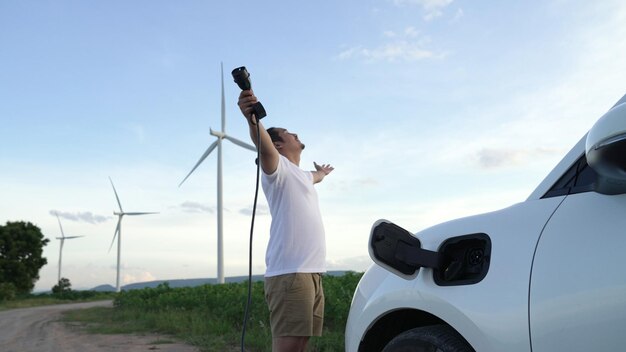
(62, 239)
(118, 233)
(218, 143)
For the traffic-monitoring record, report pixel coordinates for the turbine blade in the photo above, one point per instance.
(223, 102)
(116, 197)
(141, 213)
(70, 237)
(240, 143)
(206, 153)
(117, 230)
(61, 227)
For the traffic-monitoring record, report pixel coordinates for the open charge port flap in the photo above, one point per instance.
(396, 248)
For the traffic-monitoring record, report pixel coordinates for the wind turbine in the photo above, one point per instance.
(118, 233)
(62, 239)
(218, 143)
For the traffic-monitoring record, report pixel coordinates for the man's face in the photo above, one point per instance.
(291, 140)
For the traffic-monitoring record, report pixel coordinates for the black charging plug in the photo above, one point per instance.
(242, 78)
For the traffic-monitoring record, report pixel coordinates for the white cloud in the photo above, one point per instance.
(409, 46)
(85, 216)
(139, 276)
(458, 15)
(349, 53)
(432, 15)
(260, 210)
(400, 50)
(411, 32)
(432, 8)
(353, 184)
(490, 158)
(195, 207)
(425, 4)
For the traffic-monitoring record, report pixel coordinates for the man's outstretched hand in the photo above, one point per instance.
(321, 171)
(325, 168)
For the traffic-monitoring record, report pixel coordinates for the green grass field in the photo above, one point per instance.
(211, 316)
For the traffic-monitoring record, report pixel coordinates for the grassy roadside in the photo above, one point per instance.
(50, 299)
(210, 316)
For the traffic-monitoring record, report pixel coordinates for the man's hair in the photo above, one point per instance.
(274, 133)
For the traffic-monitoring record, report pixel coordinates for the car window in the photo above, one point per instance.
(578, 178)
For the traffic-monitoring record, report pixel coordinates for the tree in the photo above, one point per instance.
(21, 249)
(63, 285)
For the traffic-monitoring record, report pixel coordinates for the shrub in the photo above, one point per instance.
(7, 291)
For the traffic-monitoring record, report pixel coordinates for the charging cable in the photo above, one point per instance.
(242, 78)
(256, 196)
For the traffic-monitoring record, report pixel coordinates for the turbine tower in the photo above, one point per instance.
(62, 239)
(218, 143)
(118, 233)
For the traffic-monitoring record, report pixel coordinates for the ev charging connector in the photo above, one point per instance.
(242, 78)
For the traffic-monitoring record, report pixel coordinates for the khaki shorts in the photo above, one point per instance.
(296, 304)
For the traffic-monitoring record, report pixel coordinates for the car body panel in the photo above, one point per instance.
(578, 287)
(513, 241)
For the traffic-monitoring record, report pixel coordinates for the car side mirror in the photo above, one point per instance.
(605, 149)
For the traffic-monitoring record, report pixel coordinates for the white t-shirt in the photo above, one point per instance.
(297, 241)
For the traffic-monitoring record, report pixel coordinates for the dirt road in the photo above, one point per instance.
(38, 330)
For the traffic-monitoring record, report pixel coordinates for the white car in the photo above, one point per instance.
(544, 275)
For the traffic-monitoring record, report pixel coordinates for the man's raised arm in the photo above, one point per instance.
(269, 155)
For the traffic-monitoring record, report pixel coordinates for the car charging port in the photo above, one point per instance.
(464, 260)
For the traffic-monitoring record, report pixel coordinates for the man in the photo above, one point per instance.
(296, 252)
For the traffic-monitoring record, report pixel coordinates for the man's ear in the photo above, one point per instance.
(278, 145)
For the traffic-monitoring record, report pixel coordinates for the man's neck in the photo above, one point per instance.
(293, 157)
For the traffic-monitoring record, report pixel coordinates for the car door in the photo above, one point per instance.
(577, 294)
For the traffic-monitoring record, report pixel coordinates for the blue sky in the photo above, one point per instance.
(428, 109)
